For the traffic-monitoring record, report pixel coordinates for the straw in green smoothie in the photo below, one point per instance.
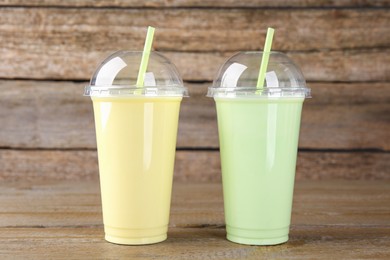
(265, 58)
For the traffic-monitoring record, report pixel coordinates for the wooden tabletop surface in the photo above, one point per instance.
(62, 219)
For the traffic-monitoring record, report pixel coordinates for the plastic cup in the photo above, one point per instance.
(136, 129)
(258, 135)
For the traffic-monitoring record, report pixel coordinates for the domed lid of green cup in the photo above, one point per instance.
(117, 76)
(238, 77)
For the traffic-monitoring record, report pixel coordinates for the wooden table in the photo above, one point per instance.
(62, 219)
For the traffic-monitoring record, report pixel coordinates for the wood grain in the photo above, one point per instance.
(199, 166)
(206, 243)
(77, 204)
(326, 66)
(197, 3)
(329, 45)
(55, 115)
(64, 219)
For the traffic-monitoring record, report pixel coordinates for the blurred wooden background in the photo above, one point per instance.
(50, 48)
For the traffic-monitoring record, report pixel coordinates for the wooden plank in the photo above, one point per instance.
(205, 166)
(40, 114)
(345, 119)
(43, 203)
(314, 242)
(45, 114)
(200, 166)
(326, 66)
(68, 43)
(181, 30)
(343, 165)
(339, 65)
(197, 3)
(62, 217)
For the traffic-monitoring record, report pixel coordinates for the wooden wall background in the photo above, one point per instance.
(49, 49)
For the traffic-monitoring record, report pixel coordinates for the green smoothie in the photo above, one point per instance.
(258, 142)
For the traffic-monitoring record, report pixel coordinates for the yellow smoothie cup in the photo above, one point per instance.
(136, 129)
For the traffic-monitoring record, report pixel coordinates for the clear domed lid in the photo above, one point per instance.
(117, 76)
(239, 74)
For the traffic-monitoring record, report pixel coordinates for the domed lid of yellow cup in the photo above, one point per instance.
(118, 75)
(135, 73)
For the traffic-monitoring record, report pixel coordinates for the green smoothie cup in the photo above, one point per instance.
(258, 135)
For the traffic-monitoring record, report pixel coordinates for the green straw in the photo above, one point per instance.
(265, 58)
(145, 57)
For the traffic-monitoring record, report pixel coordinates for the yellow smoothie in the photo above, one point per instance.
(136, 138)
